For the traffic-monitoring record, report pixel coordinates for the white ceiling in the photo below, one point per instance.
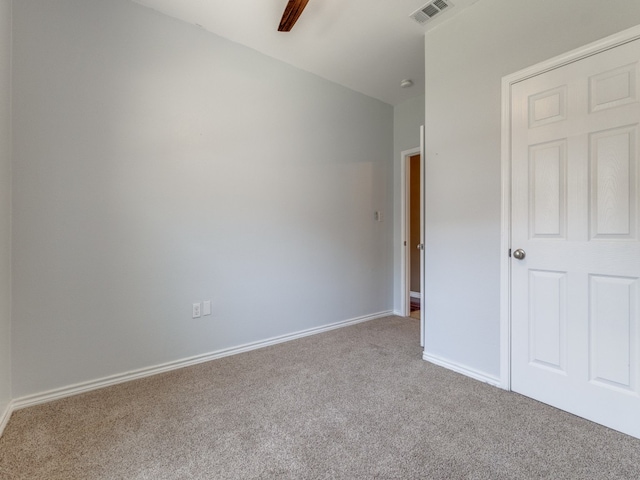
(366, 45)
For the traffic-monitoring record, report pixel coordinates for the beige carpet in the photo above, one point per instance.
(353, 403)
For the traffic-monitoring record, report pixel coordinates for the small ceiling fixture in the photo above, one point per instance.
(406, 83)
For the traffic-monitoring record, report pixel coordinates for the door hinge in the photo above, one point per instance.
(405, 243)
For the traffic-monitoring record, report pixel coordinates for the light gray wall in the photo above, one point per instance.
(156, 165)
(5, 204)
(407, 118)
(465, 61)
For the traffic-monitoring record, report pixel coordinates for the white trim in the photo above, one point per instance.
(405, 308)
(469, 372)
(415, 294)
(58, 393)
(591, 49)
(5, 416)
(505, 240)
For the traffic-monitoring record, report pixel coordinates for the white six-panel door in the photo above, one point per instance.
(575, 297)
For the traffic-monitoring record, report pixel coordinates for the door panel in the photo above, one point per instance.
(547, 187)
(548, 319)
(575, 212)
(614, 183)
(613, 322)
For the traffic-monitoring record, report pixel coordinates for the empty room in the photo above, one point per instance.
(319, 239)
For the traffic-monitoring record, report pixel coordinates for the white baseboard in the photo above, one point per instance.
(469, 372)
(4, 417)
(56, 394)
(415, 294)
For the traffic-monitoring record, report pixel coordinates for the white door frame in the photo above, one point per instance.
(594, 48)
(405, 283)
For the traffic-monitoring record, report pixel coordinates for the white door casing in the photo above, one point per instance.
(574, 300)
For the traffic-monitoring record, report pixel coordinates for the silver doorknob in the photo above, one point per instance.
(420, 246)
(519, 254)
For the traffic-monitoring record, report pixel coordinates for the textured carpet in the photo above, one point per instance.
(353, 403)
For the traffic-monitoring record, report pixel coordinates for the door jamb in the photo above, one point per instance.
(594, 48)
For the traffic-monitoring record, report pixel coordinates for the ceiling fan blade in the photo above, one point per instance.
(291, 13)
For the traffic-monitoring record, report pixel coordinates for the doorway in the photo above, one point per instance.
(415, 289)
(412, 235)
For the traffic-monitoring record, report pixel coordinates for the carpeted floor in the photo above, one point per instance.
(353, 403)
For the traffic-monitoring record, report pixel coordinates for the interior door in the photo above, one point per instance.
(575, 266)
(422, 237)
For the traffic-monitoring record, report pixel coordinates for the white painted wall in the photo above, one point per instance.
(5, 206)
(156, 165)
(465, 61)
(407, 118)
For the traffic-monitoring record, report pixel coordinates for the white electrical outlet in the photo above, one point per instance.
(206, 307)
(196, 310)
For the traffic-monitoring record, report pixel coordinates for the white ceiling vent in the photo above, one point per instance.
(430, 10)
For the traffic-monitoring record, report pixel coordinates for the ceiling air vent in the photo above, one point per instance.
(430, 10)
